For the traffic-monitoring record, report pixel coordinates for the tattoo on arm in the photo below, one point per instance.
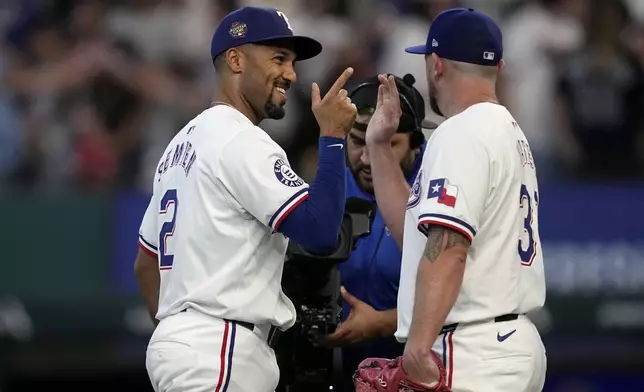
(440, 238)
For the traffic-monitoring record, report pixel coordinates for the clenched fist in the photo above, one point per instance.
(384, 375)
(335, 113)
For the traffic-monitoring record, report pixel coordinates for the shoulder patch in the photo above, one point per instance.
(444, 192)
(286, 175)
(415, 191)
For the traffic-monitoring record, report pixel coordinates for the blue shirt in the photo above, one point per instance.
(372, 273)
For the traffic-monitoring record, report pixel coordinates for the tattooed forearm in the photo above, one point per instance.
(440, 238)
(434, 244)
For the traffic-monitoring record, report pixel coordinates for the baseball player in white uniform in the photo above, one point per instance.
(472, 264)
(224, 201)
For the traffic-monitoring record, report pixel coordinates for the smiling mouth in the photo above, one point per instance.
(282, 91)
(365, 174)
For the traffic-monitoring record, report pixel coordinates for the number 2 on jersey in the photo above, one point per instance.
(527, 249)
(167, 229)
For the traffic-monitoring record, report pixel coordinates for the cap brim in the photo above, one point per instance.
(418, 49)
(304, 47)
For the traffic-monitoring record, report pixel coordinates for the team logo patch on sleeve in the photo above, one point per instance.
(443, 192)
(415, 191)
(286, 175)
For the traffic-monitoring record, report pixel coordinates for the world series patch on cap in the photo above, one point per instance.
(251, 25)
(464, 35)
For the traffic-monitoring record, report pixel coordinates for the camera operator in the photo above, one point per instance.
(370, 276)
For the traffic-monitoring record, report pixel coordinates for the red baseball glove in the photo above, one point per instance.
(388, 375)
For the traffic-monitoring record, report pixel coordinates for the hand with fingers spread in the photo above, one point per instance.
(364, 323)
(386, 118)
(335, 112)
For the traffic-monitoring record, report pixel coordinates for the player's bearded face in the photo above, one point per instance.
(359, 162)
(268, 78)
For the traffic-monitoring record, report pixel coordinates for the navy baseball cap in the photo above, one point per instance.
(250, 25)
(464, 35)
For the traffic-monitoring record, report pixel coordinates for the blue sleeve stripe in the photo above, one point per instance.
(287, 207)
(446, 220)
(147, 245)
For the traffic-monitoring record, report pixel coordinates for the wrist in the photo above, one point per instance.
(375, 143)
(333, 132)
(335, 135)
(330, 140)
(387, 323)
(382, 154)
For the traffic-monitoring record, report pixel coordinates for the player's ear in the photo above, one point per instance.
(500, 66)
(235, 60)
(438, 66)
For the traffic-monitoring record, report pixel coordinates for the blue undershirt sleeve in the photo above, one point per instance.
(315, 223)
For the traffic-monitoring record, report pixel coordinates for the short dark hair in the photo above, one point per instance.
(219, 62)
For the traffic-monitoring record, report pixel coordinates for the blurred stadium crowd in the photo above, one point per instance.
(92, 91)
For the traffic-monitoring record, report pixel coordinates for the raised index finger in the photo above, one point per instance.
(340, 82)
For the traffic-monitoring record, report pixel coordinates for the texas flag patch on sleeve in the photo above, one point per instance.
(443, 192)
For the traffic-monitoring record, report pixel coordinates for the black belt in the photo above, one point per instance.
(245, 324)
(273, 335)
(498, 319)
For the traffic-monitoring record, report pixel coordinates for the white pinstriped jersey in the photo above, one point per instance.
(478, 177)
(221, 189)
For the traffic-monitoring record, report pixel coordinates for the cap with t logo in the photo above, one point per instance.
(250, 25)
(464, 35)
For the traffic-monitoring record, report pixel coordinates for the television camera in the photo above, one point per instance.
(312, 282)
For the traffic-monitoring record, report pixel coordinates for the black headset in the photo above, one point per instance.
(416, 137)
